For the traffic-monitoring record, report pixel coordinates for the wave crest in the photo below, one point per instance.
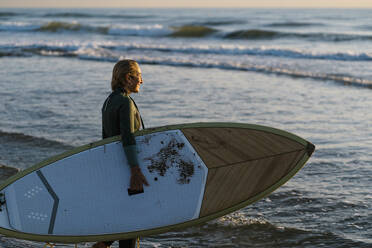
(192, 31)
(185, 31)
(70, 50)
(220, 22)
(113, 53)
(65, 26)
(252, 34)
(77, 15)
(7, 14)
(57, 26)
(338, 78)
(293, 24)
(85, 15)
(259, 34)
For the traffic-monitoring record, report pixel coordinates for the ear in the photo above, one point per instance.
(127, 77)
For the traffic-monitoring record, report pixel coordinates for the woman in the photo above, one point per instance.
(120, 116)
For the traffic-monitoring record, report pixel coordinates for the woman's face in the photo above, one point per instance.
(134, 81)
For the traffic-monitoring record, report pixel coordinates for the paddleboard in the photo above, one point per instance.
(197, 172)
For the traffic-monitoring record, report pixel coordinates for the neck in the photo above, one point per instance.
(123, 89)
(127, 90)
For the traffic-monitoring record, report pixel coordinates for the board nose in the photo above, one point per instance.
(310, 148)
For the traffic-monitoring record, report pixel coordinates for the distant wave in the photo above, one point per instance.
(128, 16)
(71, 50)
(60, 26)
(287, 53)
(185, 31)
(8, 14)
(85, 15)
(257, 34)
(78, 15)
(17, 27)
(252, 34)
(218, 22)
(67, 14)
(57, 26)
(154, 30)
(339, 78)
(37, 141)
(25, 51)
(333, 37)
(192, 31)
(366, 27)
(13, 53)
(109, 53)
(293, 24)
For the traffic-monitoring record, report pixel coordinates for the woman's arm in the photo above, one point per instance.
(127, 129)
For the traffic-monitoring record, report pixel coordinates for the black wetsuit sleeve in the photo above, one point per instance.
(127, 129)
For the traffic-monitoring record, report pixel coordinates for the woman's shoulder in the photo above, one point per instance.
(121, 98)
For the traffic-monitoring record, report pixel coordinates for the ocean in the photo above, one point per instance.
(306, 71)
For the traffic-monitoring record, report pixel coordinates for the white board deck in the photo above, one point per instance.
(86, 193)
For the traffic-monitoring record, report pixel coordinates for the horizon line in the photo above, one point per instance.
(180, 7)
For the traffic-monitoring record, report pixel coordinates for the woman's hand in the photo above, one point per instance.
(137, 179)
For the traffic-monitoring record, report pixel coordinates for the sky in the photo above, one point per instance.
(186, 3)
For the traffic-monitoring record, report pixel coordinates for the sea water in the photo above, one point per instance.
(307, 71)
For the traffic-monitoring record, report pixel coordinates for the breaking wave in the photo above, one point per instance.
(77, 15)
(57, 26)
(252, 34)
(8, 14)
(258, 34)
(339, 78)
(64, 26)
(192, 31)
(184, 31)
(71, 50)
(85, 15)
(113, 53)
(293, 24)
(219, 22)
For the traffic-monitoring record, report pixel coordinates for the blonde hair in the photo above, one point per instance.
(122, 68)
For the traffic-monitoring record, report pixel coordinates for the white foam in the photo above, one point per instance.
(139, 30)
(18, 26)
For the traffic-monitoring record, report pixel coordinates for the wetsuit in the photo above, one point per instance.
(120, 116)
